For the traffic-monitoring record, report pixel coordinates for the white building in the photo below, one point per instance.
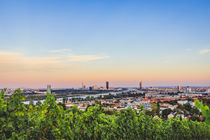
(188, 90)
(182, 102)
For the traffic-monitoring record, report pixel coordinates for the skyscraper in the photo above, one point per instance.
(90, 88)
(140, 85)
(107, 84)
(95, 87)
(83, 85)
(188, 90)
(49, 88)
(179, 88)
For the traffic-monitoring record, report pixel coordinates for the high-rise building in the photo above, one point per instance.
(49, 88)
(95, 87)
(107, 84)
(83, 85)
(140, 85)
(179, 88)
(90, 88)
(208, 90)
(188, 90)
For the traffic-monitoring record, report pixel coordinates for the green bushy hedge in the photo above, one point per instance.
(51, 121)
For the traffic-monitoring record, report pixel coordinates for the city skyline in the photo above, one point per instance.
(164, 43)
(102, 86)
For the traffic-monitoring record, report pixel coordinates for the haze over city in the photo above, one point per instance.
(65, 43)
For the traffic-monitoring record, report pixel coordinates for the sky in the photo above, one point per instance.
(67, 42)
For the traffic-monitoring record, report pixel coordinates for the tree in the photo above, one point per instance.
(195, 118)
(150, 113)
(31, 102)
(205, 111)
(158, 108)
(154, 107)
(38, 103)
(187, 107)
(63, 105)
(50, 121)
(166, 112)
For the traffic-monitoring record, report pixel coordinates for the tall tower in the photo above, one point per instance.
(179, 88)
(107, 84)
(49, 88)
(83, 85)
(140, 85)
(95, 87)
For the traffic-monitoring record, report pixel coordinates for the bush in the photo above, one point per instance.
(52, 121)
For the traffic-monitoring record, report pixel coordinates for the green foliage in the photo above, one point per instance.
(166, 112)
(205, 111)
(195, 118)
(51, 121)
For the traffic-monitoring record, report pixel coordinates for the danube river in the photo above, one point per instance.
(83, 96)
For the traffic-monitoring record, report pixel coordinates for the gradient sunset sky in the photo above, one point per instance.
(67, 42)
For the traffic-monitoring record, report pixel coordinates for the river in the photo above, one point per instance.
(82, 96)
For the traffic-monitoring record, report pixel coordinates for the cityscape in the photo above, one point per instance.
(104, 70)
(169, 98)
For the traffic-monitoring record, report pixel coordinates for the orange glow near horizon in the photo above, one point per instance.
(38, 71)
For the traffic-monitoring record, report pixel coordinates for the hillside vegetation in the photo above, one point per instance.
(51, 121)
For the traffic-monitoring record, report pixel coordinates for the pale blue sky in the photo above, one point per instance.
(128, 35)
